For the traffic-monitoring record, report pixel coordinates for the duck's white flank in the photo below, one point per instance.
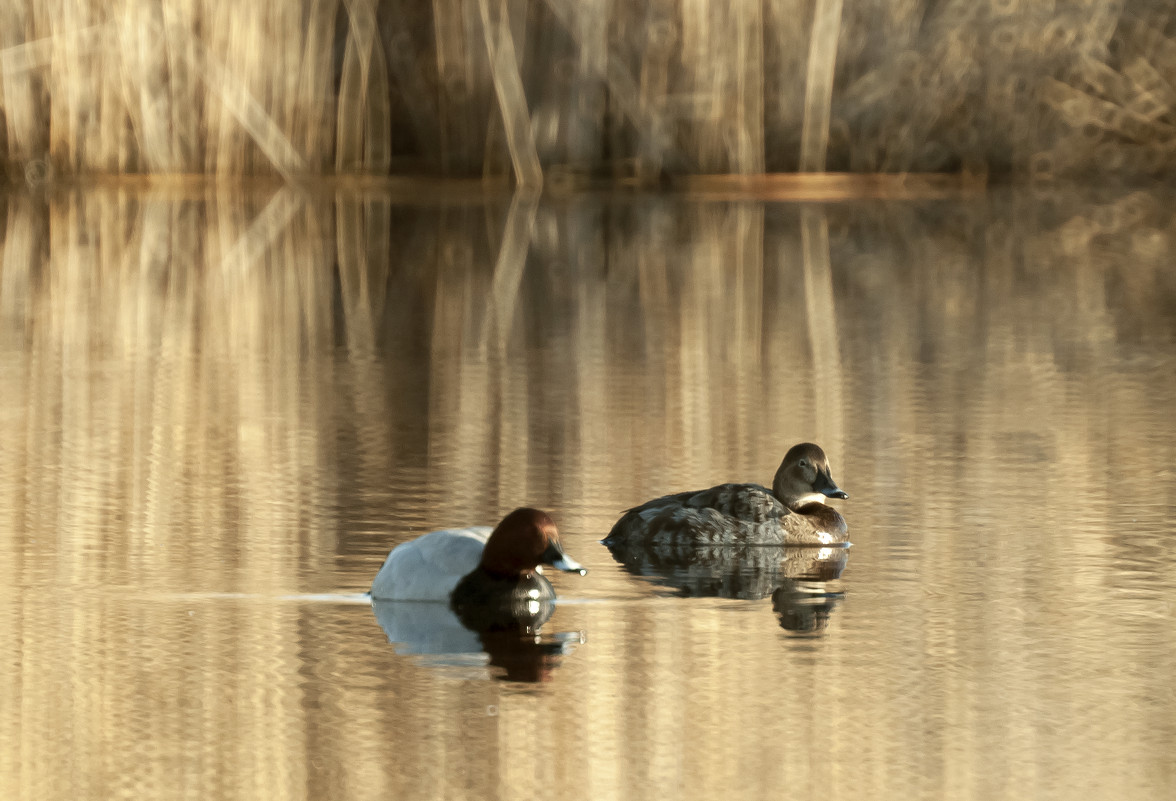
(429, 567)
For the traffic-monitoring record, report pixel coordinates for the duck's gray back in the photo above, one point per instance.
(729, 514)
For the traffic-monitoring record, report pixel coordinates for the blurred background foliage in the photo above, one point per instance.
(563, 91)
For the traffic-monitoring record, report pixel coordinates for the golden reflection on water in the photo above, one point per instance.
(218, 405)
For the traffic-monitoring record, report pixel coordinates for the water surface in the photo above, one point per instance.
(221, 409)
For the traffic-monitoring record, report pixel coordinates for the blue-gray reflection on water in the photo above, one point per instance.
(431, 629)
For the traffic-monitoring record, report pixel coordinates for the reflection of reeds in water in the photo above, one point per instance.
(242, 391)
(169, 371)
(182, 345)
(560, 90)
(1031, 467)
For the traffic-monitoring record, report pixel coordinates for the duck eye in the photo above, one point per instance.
(803, 463)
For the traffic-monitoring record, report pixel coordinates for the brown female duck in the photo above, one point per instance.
(793, 512)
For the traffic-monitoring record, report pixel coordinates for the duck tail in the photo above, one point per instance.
(623, 530)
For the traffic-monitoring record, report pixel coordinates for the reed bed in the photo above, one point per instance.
(565, 92)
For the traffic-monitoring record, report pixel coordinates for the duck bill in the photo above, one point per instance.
(555, 557)
(824, 485)
(569, 565)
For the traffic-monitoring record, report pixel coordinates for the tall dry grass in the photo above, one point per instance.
(559, 91)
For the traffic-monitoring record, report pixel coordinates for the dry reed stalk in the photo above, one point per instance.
(722, 51)
(818, 101)
(407, 59)
(245, 112)
(623, 91)
(364, 139)
(226, 151)
(653, 84)
(707, 60)
(146, 44)
(21, 62)
(787, 28)
(464, 83)
(508, 85)
(749, 150)
(21, 125)
(586, 129)
(315, 108)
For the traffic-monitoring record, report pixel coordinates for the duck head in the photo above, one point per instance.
(525, 539)
(803, 477)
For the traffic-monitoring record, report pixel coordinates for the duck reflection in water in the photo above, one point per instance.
(458, 594)
(803, 581)
(510, 640)
(804, 607)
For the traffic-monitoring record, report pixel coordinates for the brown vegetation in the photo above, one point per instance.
(562, 91)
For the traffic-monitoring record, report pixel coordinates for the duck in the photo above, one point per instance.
(792, 512)
(486, 575)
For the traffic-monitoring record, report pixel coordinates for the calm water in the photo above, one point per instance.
(219, 412)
